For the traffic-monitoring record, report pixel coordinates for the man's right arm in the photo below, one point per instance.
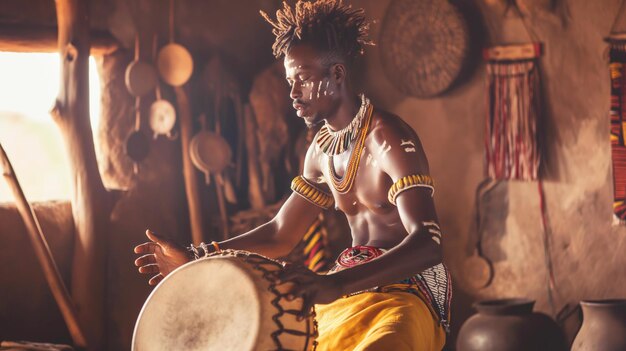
(273, 239)
(279, 236)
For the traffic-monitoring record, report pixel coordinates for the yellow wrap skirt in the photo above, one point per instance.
(378, 321)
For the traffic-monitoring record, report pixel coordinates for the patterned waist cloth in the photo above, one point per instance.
(433, 285)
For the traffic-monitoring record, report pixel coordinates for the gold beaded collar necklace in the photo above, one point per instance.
(344, 183)
(336, 142)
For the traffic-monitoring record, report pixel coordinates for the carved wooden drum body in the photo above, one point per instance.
(229, 301)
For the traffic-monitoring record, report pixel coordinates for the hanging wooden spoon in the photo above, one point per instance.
(478, 270)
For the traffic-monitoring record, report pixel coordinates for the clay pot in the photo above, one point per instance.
(509, 325)
(604, 326)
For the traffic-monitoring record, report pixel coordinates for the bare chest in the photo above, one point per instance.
(368, 191)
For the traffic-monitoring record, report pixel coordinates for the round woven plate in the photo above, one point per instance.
(423, 45)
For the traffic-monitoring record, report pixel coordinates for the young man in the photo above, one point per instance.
(390, 291)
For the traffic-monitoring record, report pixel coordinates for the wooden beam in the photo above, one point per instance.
(91, 203)
(20, 38)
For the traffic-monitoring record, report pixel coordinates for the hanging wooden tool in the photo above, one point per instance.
(137, 144)
(141, 77)
(174, 62)
(211, 154)
(191, 185)
(477, 268)
(43, 254)
(162, 113)
(224, 92)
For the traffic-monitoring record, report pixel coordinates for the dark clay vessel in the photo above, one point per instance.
(604, 326)
(509, 325)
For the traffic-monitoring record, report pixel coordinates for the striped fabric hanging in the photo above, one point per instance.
(617, 54)
(315, 250)
(511, 147)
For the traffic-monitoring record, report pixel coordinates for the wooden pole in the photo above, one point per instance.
(44, 256)
(189, 172)
(91, 203)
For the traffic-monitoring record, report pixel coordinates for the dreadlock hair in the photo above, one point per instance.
(329, 25)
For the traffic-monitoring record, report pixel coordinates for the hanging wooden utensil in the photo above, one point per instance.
(174, 61)
(162, 118)
(478, 270)
(209, 152)
(137, 144)
(224, 92)
(162, 113)
(140, 77)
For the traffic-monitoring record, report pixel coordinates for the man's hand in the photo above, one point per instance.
(160, 256)
(313, 288)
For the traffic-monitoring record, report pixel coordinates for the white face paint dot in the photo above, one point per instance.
(354, 203)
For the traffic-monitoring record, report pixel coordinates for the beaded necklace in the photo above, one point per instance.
(336, 142)
(344, 184)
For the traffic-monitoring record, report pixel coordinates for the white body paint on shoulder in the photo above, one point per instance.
(408, 142)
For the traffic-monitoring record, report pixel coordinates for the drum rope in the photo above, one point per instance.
(257, 262)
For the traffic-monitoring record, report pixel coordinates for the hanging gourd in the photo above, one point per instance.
(140, 76)
(174, 62)
(162, 113)
(137, 144)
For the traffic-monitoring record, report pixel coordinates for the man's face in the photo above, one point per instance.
(313, 91)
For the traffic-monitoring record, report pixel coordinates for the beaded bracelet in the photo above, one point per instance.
(203, 250)
(312, 194)
(408, 182)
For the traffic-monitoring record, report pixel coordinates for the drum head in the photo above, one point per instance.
(209, 304)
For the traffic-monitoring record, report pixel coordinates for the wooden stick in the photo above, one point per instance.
(513, 52)
(42, 251)
(189, 172)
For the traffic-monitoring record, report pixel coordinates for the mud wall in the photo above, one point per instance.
(586, 250)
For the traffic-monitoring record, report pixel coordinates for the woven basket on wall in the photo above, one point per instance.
(423, 45)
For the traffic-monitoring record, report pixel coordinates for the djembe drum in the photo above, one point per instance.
(228, 301)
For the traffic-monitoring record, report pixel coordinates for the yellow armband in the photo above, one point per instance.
(314, 195)
(408, 182)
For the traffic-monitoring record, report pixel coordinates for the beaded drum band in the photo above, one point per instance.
(311, 193)
(408, 182)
